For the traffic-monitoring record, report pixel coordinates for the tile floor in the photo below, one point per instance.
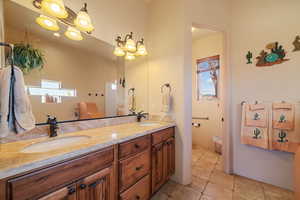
(210, 183)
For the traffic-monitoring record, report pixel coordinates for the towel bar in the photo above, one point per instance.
(201, 118)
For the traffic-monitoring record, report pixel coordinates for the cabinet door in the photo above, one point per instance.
(98, 186)
(157, 167)
(169, 158)
(66, 193)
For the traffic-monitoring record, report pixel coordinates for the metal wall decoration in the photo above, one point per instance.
(296, 43)
(276, 55)
(249, 57)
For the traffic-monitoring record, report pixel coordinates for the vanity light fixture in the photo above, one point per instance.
(57, 11)
(129, 56)
(129, 48)
(73, 34)
(55, 8)
(47, 23)
(83, 21)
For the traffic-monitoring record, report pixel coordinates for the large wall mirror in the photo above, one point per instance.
(80, 79)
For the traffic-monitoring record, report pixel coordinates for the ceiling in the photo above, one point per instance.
(22, 18)
(198, 33)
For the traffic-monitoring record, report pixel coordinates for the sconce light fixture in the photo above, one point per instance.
(57, 11)
(73, 34)
(129, 48)
(47, 23)
(55, 8)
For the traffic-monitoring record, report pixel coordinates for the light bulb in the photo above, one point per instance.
(55, 8)
(129, 56)
(119, 51)
(73, 34)
(83, 22)
(141, 51)
(47, 23)
(130, 45)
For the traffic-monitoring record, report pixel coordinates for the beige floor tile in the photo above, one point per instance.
(276, 193)
(197, 184)
(201, 173)
(161, 196)
(204, 164)
(217, 192)
(222, 179)
(186, 194)
(170, 187)
(211, 157)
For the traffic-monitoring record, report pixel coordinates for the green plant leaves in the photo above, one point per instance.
(27, 58)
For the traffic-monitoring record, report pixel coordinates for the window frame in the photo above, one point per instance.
(202, 60)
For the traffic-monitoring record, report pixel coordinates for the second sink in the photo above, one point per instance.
(54, 144)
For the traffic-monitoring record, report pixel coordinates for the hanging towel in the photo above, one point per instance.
(132, 103)
(285, 132)
(283, 116)
(254, 128)
(15, 108)
(166, 101)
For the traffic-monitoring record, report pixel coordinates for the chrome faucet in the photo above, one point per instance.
(141, 115)
(53, 126)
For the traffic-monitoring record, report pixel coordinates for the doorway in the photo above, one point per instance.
(208, 92)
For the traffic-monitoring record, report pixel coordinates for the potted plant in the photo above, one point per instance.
(27, 58)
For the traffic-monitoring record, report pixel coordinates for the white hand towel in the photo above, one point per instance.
(166, 101)
(24, 118)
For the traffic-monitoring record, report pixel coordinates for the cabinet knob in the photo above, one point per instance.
(137, 197)
(136, 146)
(138, 168)
(82, 186)
(72, 191)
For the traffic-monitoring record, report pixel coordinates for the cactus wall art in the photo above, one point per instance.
(296, 43)
(276, 55)
(256, 133)
(249, 57)
(282, 135)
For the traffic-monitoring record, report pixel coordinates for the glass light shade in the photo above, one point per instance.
(47, 23)
(141, 51)
(55, 8)
(130, 45)
(73, 34)
(83, 22)
(129, 56)
(119, 51)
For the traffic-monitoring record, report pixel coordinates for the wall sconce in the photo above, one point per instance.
(59, 12)
(129, 48)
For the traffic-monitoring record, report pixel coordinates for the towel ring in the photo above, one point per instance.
(131, 90)
(167, 85)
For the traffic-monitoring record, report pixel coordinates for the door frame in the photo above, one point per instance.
(227, 151)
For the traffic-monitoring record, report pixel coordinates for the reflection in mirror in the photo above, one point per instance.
(78, 79)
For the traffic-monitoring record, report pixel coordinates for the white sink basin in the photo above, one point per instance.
(149, 124)
(54, 144)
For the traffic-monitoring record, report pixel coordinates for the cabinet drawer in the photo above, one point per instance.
(48, 179)
(141, 190)
(134, 146)
(162, 135)
(133, 168)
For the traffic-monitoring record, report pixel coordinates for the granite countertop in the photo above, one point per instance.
(13, 161)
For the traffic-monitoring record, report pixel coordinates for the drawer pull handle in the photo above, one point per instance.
(138, 168)
(82, 186)
(71, 191)
(137, 197)
(136, 146)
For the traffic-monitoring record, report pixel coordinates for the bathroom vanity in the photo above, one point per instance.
(131, 166)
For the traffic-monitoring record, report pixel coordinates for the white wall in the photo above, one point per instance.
(1, 34)
(256, 23)
(167, 30)
(206, 46)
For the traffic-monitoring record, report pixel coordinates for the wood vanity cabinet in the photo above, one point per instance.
(163, 157)
(132, 170)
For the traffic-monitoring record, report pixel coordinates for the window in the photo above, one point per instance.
(208, 70)
(51, 91)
